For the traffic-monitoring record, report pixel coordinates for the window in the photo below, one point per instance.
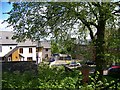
(29, 58)
(16, 57)
(36, 49)
(9, 58)
(7, 38)
(10, 47)
(30, 50)
(46, 49)
(21, 50)
(0, 48)
(46, 55)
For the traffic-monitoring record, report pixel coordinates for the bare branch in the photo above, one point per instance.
(88, 26)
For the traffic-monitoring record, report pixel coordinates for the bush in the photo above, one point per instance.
(54, 77)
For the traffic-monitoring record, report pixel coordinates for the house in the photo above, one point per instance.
(10, 50)
(43, 50)
(46, 50)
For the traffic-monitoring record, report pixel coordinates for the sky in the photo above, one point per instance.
(4, 7)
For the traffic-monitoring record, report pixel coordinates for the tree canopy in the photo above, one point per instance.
(60, 20)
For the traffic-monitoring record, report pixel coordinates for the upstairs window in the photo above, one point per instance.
(10, 47)
(21, 50)
(7, 37)
(46, 55)
(36, 49)
(0, 48)
(30, 50)
(46, 50)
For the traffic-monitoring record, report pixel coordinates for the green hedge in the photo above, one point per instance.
(52, 78)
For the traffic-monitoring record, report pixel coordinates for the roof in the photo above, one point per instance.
(9, 53)
(46, 44)
(27, 43)
(6, 38)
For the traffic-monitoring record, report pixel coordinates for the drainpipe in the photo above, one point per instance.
(38, 46)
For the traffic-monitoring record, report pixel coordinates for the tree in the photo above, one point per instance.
(38, 20)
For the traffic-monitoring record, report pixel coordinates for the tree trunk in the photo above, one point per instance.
(99, 45)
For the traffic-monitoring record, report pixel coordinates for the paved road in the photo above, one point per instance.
(59, 62)
(63, 62)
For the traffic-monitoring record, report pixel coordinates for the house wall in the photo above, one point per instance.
(26, 53)
(6, 49)
(9, 58)
(15, 56)
(44, 53)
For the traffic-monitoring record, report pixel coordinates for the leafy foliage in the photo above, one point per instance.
(47, 77)
(52, 78)
(112, 45)
(62, 21)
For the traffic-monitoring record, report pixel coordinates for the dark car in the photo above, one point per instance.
(51, 60)
(74, 64)
(114, 71)
(90, 62)
(55, 54)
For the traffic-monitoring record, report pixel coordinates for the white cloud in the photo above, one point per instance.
(3, 26)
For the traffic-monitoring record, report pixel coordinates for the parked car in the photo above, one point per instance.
(74, 64)
(114, 71)
(90, 62)
(55, 54)
(51, 60)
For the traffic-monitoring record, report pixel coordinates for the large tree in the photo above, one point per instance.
(58, 19)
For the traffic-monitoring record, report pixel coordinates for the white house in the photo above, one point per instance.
(10, 50)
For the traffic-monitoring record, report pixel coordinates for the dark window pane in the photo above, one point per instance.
(46, 49)
(7, 38)
(21, 50)
(29, 58)
(0, 48)
(30, 50)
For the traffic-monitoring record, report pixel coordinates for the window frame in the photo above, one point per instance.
(21, 50)
(30, 50)
(46, 49)
(29, 58)
(46, 55)
(7, 37)
(10, 47)
(0, 48)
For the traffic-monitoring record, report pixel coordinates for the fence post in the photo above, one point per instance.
(85, 73)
